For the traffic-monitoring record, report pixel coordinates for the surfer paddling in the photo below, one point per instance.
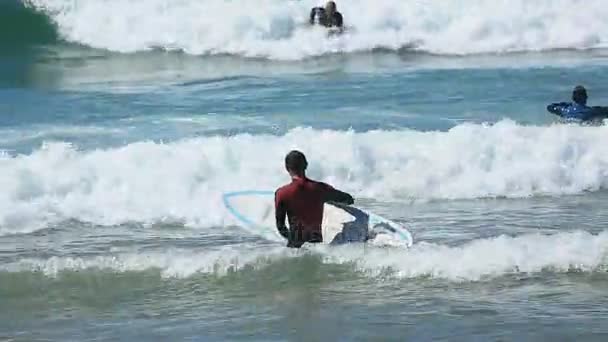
(301, 201)
(577, 110)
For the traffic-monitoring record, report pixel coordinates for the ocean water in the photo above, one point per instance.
(122, 123)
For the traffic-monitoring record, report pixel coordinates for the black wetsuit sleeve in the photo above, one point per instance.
(557, 108)
(599, 112)
(280, 216)
(337, 196)
(339, 20)
(313, 14)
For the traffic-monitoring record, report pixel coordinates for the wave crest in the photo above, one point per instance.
(277, 29)
(184, 181)
(478, 260)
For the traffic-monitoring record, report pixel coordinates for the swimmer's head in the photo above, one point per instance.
(295, 163)
(330, 7)
(579, 95)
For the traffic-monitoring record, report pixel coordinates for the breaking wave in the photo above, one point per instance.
(277, 29)
(184, 181)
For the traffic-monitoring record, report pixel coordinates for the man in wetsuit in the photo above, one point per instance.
(328, 16)
(302, 202)
(578, 110)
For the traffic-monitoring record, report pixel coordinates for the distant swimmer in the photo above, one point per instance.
(328, 16)
(302, 202)
(578, 110)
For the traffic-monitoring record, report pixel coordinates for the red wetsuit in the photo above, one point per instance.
(302, 202)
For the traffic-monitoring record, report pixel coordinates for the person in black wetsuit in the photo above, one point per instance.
(328, 16)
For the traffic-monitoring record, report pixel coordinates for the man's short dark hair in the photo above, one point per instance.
(295, 161)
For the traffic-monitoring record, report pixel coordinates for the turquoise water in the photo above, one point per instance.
(116, 151)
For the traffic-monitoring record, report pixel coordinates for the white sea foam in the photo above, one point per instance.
(171, 263)
(477, 260)
(184, 181)
(277, 29)
(486, 258)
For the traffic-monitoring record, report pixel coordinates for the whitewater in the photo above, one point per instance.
(184, 181)
(278, 29)
(528, 254)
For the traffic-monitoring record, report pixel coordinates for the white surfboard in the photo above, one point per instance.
(254, 211)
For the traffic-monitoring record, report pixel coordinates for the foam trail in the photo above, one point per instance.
(171, 263)
(487, 258)
(277, 29)
(479, 260)
(184, 181)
